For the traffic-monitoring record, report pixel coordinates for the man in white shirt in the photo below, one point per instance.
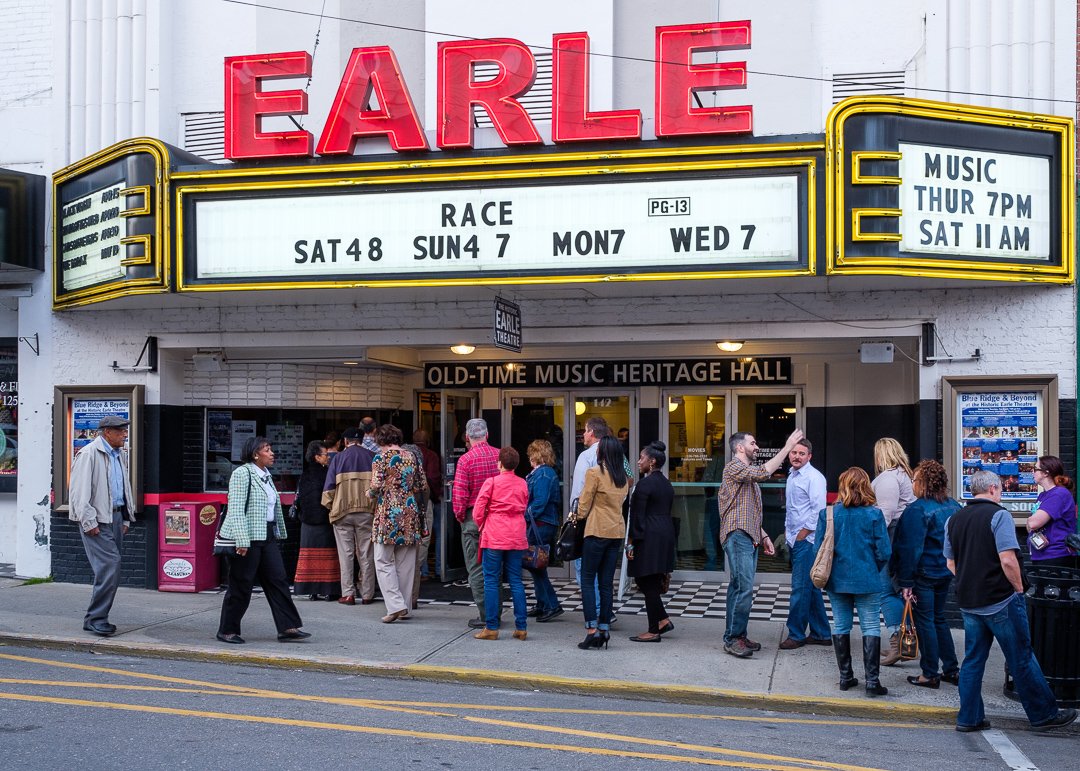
(805, 500)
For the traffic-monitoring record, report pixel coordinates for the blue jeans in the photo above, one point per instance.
(741, 556)
(892, 605)
(843, 610)
(935, 639)
(546, 598)
(807, 606)
(1009, 627)
(712, 530)
(598, 560)
(581, 583)
(495, 561)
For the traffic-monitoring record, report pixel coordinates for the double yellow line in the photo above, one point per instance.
(177, 685)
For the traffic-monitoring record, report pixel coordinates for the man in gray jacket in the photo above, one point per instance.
(101, 501)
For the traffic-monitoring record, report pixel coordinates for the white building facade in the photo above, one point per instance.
(849, 355)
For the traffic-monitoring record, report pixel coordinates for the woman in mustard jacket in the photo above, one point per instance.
(601, 506)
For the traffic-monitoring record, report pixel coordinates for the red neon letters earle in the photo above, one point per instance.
(374, 71)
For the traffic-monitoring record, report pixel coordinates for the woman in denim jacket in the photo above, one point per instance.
(924, 574)
(861, 549)
(542, 518)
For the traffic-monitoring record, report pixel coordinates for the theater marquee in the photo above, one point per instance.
(933, 189)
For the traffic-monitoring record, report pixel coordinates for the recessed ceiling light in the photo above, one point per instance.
(730, 346)
(463, 349)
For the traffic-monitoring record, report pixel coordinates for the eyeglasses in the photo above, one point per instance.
(1039, 469)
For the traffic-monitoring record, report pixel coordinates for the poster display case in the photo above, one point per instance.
(1003, 425)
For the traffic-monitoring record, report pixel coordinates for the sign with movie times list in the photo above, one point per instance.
(90, 231)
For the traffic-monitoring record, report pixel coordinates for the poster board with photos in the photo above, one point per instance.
(77, 411)
(1001, 425)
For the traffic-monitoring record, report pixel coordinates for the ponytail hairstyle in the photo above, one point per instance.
(1055, 469)
(609, 457)
(657, 453)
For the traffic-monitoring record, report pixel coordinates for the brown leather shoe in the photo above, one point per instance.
(488, 634)
(348, 599)
(367, 602)
(520, 634)
(750, 644)
(891, 654)
(789, 645)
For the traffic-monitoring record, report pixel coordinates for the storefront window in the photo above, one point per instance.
(289, 431)
(9, 412)
(537, 417)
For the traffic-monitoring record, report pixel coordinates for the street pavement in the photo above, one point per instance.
(434, 644)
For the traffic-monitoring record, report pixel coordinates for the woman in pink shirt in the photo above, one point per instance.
(499, 513)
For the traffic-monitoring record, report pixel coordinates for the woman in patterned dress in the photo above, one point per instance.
(398, 525)
(317, 571)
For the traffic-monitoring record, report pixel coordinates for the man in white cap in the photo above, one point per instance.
(101, 501)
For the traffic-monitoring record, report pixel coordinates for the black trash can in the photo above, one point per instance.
(1053, 607)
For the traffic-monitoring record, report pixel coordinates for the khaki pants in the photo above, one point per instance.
(395, 567)
(470, 545)
(422, 551)
(353, 535)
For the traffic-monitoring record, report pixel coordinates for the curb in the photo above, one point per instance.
(677, 694)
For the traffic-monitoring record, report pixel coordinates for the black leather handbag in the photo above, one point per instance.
(571, 536)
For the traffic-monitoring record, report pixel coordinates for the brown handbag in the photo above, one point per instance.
(909, 638)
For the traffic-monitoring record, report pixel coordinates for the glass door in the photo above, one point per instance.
(443, 414)
(696, 436)
(770, 416)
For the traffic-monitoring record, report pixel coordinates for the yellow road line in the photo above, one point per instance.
(688, 715)
(218, 692)
(666, 743)
(400, 732)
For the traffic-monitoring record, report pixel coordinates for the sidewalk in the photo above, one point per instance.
(435, 644)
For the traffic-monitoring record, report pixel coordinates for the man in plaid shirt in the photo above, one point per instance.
(474, 467)
(739, 501)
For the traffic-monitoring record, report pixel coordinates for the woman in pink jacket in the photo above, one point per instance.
(500, 515)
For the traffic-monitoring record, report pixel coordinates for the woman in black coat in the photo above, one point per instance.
(317, 572)
(652, 538)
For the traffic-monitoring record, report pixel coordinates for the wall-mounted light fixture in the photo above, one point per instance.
(463, 349)
(730, 346)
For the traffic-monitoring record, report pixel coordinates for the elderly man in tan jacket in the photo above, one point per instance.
(101, 501)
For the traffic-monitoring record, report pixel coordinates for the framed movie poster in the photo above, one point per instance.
(1001, 425)
(77, 410)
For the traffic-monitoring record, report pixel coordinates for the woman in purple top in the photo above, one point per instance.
(1054, 518)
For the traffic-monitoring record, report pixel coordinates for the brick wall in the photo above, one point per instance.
(259, 384)
(69, 563)
(26, 40)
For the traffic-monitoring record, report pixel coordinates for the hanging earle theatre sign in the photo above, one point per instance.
(913, 188)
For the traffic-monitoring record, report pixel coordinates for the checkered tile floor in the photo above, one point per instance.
(690, 599)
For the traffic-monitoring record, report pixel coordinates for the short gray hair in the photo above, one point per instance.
(476, 428)
(982, 480)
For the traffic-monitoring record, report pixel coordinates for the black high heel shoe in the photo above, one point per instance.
(603, 638)
(590, 641)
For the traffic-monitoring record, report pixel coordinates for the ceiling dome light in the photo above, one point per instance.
(463, 349)
(730, 346)
(579, 408)
(789, 410)
(708, 407)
